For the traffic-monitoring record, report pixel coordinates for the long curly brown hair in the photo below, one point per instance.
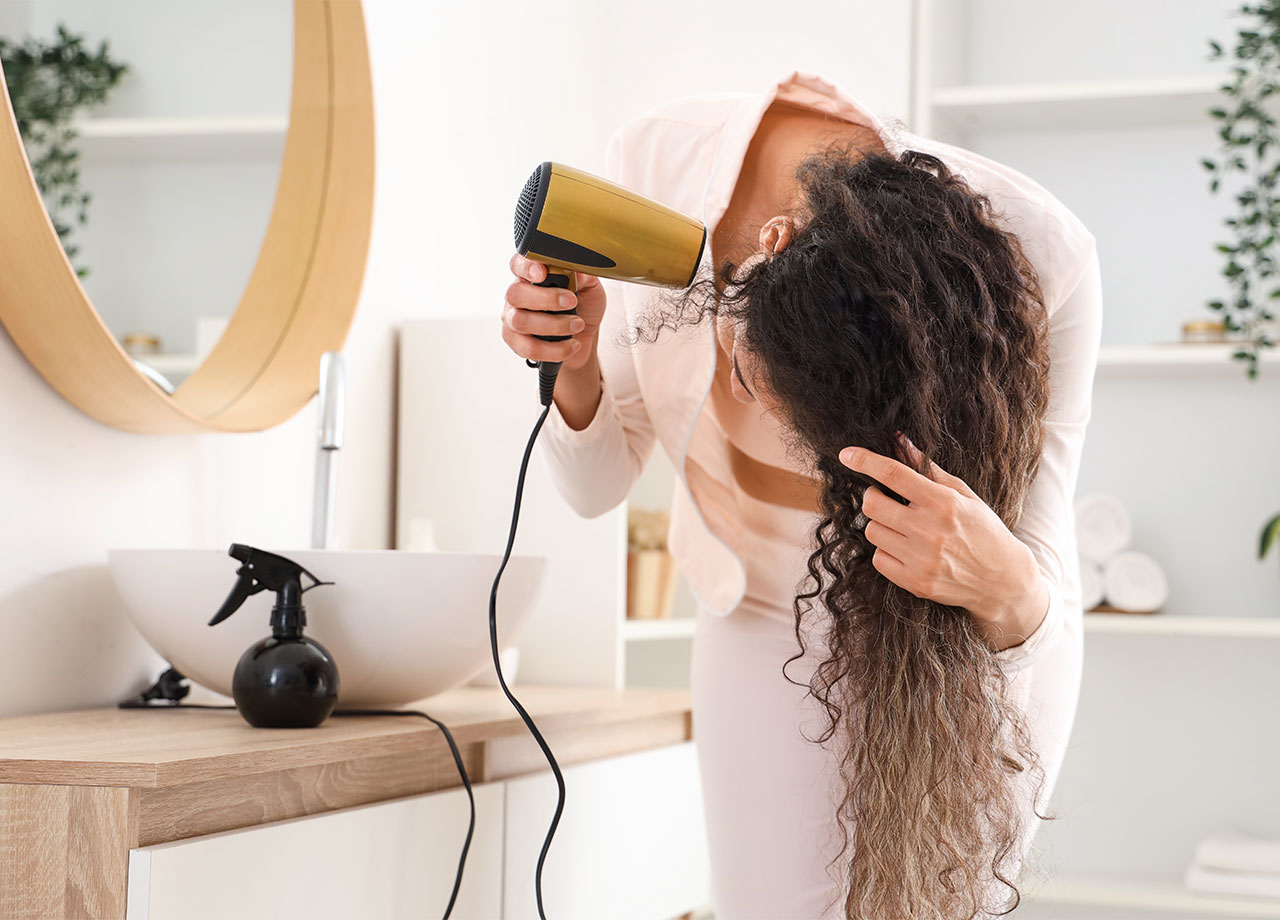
(901, 305)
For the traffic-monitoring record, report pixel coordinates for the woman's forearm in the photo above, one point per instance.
(577, 393)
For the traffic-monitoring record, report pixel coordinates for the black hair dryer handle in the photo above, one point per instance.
(557, 277)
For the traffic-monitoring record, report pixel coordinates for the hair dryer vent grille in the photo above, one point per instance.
(525, 206)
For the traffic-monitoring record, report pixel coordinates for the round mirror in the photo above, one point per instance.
(188, 249)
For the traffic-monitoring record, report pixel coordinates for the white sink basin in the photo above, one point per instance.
(401, 626)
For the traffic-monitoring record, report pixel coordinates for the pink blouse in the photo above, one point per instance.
(735, 543)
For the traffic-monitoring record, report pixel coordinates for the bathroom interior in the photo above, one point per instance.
(252, 299)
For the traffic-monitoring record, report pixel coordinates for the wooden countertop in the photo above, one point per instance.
(80, 790)
(142, 748)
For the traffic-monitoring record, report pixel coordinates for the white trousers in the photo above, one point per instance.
(769, 793)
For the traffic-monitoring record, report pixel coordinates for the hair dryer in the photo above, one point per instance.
(573, 221)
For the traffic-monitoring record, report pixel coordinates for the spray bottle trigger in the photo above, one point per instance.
(244, 588)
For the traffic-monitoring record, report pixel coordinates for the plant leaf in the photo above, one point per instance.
(1270, 534)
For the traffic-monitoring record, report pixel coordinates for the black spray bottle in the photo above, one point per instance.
(287, 680)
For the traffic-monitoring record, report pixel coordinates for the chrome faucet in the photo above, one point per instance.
(330, 412)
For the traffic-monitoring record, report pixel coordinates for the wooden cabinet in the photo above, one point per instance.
(630, 846)
(191, 813)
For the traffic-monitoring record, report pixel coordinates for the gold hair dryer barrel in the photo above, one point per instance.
(573, 221)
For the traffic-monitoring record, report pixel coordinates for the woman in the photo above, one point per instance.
(875, 398)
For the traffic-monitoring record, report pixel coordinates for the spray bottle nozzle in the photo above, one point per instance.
(264, 571)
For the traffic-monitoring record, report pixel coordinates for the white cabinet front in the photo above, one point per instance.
(390, 860)
(631, 844)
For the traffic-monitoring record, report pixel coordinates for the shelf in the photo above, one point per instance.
(1150, 893)
(648, 630)
(1161, 624)
(135, 138)
(171, 363)
(1214, 358)
(1110, 104)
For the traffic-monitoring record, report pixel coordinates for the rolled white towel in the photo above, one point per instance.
(1219, 881)
(1135, 582)
(1103, 527)
(1092, 586)
(1238, 852)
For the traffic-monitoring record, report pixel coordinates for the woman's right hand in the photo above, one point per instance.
(524, 315)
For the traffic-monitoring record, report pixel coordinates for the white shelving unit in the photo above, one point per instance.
(171, 364)
(1160, 624)
(135, 138)
(159, 140)
(1114, 119)
(1211, 357)
(651, 630)
(1166, 895)
(1117, 103)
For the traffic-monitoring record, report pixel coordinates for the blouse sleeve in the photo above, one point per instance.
(594, 468)
(1047, 525)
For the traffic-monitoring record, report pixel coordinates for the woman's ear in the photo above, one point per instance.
(776, 234)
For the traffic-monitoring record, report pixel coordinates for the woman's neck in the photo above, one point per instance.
(766, 185)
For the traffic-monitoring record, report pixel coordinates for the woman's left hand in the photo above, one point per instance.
(949, 546)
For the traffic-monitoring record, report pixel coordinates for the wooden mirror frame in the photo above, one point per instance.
(300, 299)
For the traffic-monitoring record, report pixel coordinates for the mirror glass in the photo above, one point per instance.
(177, 163)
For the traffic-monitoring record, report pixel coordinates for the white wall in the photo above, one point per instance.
(470, 97)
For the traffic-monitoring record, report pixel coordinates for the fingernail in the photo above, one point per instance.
(575, 346)
(566, 300)
(845, 455)
(577, 325)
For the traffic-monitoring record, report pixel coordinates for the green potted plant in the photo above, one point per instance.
(1270, 536)
(1249, 146)
(48, 83)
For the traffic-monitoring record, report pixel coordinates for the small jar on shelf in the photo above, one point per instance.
(651, 572)
(141, 344)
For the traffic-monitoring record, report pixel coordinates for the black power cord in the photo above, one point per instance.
(462, 772)
(502, 681)
(169, 692)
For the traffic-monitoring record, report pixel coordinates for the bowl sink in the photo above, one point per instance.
(402, 626)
